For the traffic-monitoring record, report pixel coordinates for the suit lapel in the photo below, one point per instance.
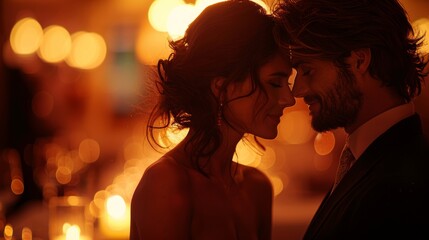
(363, 166)
(370, 158)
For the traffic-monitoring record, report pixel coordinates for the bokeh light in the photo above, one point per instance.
(324, 143)
(174, 16)
(116, 206)
(247, 154)
(172, 136)
(295, 127)
(56, 44)
(202, 4)
(89, 150)
(115, 221)
(159, 11)
(277, 184)
(71, 231)
(17, 186)
(88, 50)
(151, 45)
(421, 28)
(26, 36)
(268, 158)
(27, 234)
(179, 19)
(8, 232)
(63, 175)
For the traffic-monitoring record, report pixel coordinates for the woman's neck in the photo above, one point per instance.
(219, 164)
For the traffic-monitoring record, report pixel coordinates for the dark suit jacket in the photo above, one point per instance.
(385, 195)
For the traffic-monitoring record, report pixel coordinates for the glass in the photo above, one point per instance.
(69, 219)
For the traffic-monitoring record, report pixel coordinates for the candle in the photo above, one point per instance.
(71, 232)
(115, 220)
(69, 219)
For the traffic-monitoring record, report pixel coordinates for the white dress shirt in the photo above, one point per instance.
(362, 137)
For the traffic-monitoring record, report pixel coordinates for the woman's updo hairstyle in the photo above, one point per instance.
(230, 39)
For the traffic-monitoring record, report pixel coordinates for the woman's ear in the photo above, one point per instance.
(217, 86)
(361, 58)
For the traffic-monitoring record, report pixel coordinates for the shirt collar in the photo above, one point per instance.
(363, 136)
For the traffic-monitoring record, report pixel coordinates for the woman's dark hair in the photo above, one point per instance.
(331, 29)
(232, 40)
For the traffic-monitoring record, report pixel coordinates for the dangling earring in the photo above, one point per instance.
(219, 115)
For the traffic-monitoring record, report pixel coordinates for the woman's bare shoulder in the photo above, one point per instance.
(256, 178)
(162, 197)
(260, 187)
(166, 171)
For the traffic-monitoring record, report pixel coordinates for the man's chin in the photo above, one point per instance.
(321, 126)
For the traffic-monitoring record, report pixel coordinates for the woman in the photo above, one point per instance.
(225, 78)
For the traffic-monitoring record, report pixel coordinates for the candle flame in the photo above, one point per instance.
(72, 232)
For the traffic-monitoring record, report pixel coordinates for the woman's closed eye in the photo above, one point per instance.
(276, 84)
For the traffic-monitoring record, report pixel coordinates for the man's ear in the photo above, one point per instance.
(217, 86)
(361, 58)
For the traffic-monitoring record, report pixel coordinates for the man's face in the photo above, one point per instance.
(331, 93)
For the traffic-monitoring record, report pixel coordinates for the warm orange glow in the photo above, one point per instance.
(421, 28)
(17, 186)
(115, 222)
(42, 104)
(174, 16)
(268, 159)
(65, 160)
(262, 4)
(26, 36)
(99, 198)
(88, 50)
(172, 136)
(63, 175)
(322, 163)
(71, 232)
(151, 45)
(295, 127)
(27, 234)
(277, 184)
(56, 44)
(74, 201)
(202, 4)
(159, 11)
(247, 154)
(93, 210)
(133, 150)
(324, 143)
(116, 206)
(89, 150)
(8, 232)
(179, 19)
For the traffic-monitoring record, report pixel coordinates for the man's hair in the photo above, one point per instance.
(331, 29)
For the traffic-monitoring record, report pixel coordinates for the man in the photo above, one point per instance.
(358, 68)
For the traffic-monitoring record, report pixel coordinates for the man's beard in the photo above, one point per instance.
(340, 105)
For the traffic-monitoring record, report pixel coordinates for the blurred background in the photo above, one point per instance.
(74, 96)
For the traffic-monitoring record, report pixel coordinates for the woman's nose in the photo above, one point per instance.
(299, 89)
(286, 98)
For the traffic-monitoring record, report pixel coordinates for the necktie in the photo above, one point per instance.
(346, 161)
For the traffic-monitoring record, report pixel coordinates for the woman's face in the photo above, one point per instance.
(259, 113)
